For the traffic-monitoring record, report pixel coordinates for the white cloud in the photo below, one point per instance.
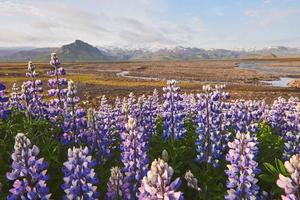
(127, 23)
(267, 1)
(105, 22)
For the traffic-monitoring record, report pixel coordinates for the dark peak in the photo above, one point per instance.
(80, 42)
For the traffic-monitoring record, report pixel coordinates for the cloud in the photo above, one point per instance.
(134, 23)
(267, 17)
(267, 1)
(251, 13)
(111, 22)
(275, 16)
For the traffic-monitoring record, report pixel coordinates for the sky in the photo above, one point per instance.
(228, 24)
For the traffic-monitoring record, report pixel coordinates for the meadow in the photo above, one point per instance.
(125, 139)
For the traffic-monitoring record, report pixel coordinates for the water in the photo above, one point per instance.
(261, 67)
(282, 82)
(125, 74)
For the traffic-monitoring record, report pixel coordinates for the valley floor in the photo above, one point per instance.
(120, 78)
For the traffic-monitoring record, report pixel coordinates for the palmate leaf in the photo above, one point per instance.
(268, 178)
(270, 168)
(280, 167)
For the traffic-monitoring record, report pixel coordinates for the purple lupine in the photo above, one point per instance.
(99, 130)
(172, 112)
(275, 113)
(291, 185)
(210, 125)
(115, 184)
(189, 104)
(145, 118)
(157, 183)
(284, 118)
(25, 97)
(134, 158)
(80, 179)
(152, 107)
(57, 85)
(245, 116)
(4, 108)
(74, 117)
(15, 100)
(28, 173)
(119, 117)
(243, 168)
(291, 133)
(38, 107)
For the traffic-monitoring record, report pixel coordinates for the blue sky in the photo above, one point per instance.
(151, 23)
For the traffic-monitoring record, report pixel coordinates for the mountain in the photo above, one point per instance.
(176, 53)
(80, 51)
(25, 55)
(76, 51)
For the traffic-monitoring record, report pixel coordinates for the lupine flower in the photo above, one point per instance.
(15, 99)
(172, 112)
(134, 158)
(146, 117)
(284, 117)
(74, 117)
(25, 97)
(4, 109)
(28, 173)
(210, 125)
(192, 182)
(244, 116)
(99, 129)
(151, 106)
(80, 180)
(243, 168)
(157, 184)
(57, 86)
(119, 118)
(115, 184)
(189, 104)
(291, 185)
(38, 107)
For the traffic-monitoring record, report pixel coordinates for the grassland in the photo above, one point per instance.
(101, 78)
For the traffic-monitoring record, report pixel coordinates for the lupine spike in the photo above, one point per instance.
(243, 168)
(115, 184)
(80, 180)
(58, 90)
(173, 113)
(74, 117)
(211, 123)
(4, 108)
(157, 183)
(28, 173)
(291, 184)
(37, 106)
(134, 157)
(15, 100)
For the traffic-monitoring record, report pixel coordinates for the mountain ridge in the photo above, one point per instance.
(82, 51)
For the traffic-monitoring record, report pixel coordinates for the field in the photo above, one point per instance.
(201, 142)
(102, 78)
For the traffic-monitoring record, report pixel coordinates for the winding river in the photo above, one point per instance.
(260, 67)
(283, 81)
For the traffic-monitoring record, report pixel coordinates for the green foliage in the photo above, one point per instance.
(182, 154)
(270, 147)
(181, 157)
(270, 144)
